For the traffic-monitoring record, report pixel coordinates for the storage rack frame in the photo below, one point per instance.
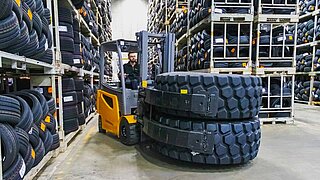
(51, 73)
(275, 21)
(315, 44)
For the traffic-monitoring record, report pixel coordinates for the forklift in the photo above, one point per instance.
(116, 104)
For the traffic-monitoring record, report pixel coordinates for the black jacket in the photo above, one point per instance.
(133, 72)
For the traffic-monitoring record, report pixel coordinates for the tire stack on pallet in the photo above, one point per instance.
(177, 118)
(274, 53)
(308, 54)
(27, 130)
(25, 29)
(70, 108)
(229, 49)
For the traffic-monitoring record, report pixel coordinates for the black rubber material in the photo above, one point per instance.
(66, 30)
(29, 158)
(26, 120)
(52, 105)
(23, 139)
(129, 133)
(68, 85)
(42, 100)
(65, 15)
(81, 119)
(37, 23)
(9, 145)
(34, 104)
(16, 171)
(234, 142)
(70, 112)
(17, 10)
(79, 105)
(9, 31)
(25, 16)
(79, 96)
(34, 136)
(70, 125)
(42, 130)
(67, 58)
(55, 142)
(237, 97)
(48, 141)
(6, 6)
(50, 123)
(70, 98)
(9, 110)
(67, 44)
(79, 84)
(40, 152)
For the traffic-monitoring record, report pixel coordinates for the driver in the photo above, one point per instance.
(131, 71)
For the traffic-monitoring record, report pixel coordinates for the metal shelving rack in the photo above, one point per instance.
(50, 73)
(225, 21)
(310, 47)
(276, 19)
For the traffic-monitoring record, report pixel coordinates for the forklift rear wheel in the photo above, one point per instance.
(100, 126)
(129, 134)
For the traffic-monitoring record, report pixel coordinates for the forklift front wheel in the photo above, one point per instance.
(129, 133)
(100, 126)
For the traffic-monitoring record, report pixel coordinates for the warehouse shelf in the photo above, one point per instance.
(201, 25)
(8, 60)
(51, 74)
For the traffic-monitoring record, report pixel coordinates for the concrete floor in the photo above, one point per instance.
(287, 152)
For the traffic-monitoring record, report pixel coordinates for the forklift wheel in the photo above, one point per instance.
(100, 126)
(129, 134)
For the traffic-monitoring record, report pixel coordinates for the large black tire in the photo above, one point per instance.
(238, 97)
(70, 125)
(129, 133)
(234, 142)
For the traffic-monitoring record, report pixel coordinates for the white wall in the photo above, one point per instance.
(128, 17)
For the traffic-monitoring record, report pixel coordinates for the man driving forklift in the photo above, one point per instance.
(132, 71)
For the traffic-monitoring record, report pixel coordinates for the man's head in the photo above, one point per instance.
(132, 57)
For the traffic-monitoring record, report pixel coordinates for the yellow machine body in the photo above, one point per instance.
(109, 112)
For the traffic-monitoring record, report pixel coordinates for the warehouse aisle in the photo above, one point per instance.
(287, 152)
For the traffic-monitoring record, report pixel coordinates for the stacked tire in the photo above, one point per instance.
(79, 87)
(302, 89)
(305, 32)
(70, 105)
(28, 131)
(304, 62)
(203, 118)
(25, 29)
(180, 24)
(66, 35)
(89, 100)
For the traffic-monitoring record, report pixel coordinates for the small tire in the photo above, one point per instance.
(128, 133)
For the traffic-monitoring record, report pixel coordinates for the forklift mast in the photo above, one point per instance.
(167, 42)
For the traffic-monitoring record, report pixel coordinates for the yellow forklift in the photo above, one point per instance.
(116, 104)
